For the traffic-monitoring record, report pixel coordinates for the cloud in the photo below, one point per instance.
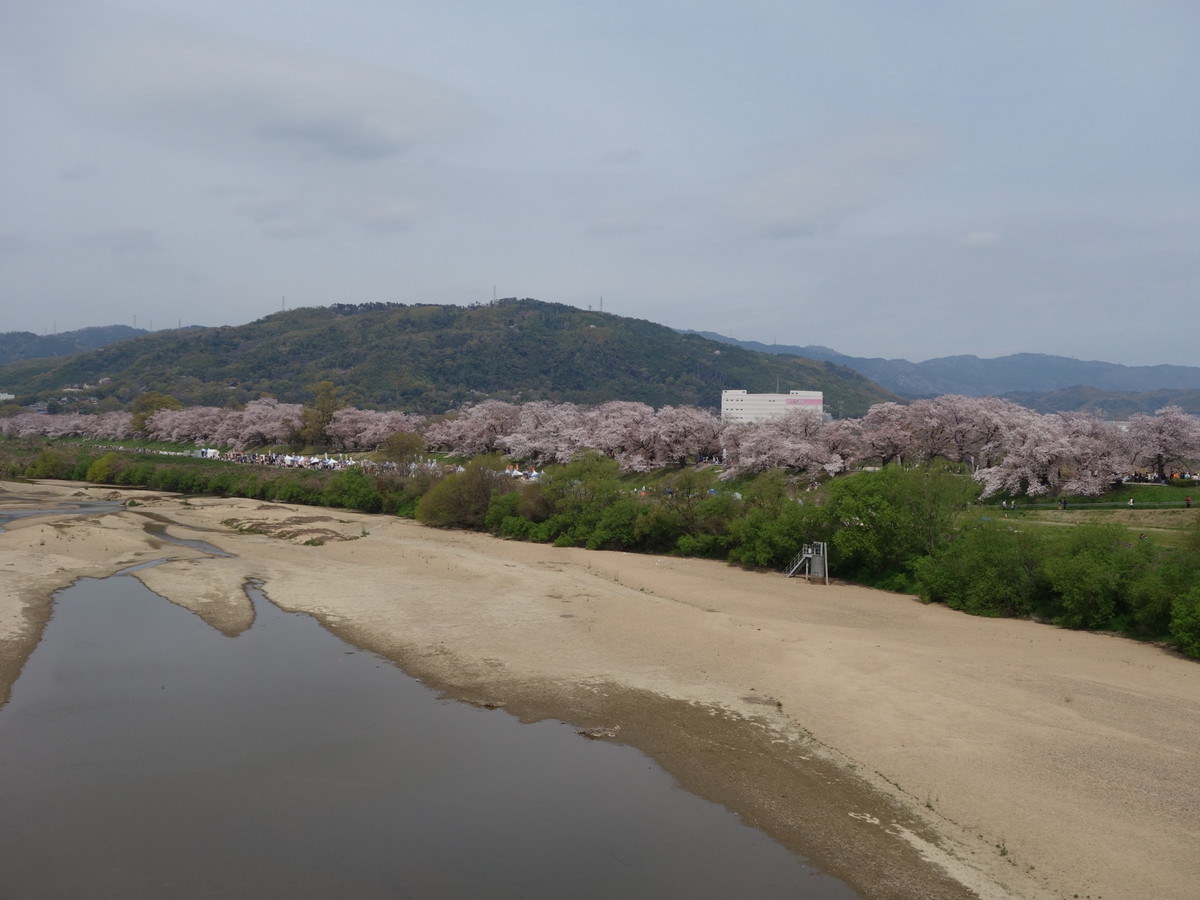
(622, 156)
(121, 240)
(282, 217)
(199, 88)
(14, 243)
(980, 240)
(385, 218)
(79, 172)
(816, 190)
(616, 226)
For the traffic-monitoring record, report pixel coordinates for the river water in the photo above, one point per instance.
(145, 755)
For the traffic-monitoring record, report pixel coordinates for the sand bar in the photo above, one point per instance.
(909, 749)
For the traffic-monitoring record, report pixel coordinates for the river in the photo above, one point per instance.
(145, 755)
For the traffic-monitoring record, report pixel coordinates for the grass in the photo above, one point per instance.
(1166, 526)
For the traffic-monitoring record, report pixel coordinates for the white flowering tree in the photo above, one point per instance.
(476, 429)
(546, 432)
(887, 433)
(1169, 438)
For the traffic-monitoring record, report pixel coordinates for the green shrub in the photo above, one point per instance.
(1151, 596)
(888, 519)
(1185, 623)
(501, 506)
(352, 488)
(617, 526)
(516, 527)
(704, 546)
(770, 536)
(1090, 573)
(104, 470)
(988, 570)
(51, 463)
(461, 499)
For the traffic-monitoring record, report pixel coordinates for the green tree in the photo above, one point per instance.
(105, 469)
(461, 499)
(885, 520)
(315, 418)
(1091, 571)
(146, 405)
(578, 495)
(768, 537)
(684, 495)
(1185, 623)
(402, 447)
(987, 570)
(352, 488)
(51, 463)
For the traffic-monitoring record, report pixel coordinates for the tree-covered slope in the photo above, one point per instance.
(430, 358)
(17, 345)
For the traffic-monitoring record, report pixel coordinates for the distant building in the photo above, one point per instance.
(740, 406)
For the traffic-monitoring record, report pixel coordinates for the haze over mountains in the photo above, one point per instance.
(1039, 381)
(431, 358)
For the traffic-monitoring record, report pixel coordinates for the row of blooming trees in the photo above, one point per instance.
(261, 423)
(267, 422)
(1009, 448)
(639, 437)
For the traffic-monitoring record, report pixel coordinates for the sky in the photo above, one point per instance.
(903, 180)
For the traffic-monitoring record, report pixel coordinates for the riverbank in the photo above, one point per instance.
(909, 749)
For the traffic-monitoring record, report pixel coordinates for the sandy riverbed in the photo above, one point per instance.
(909, 749)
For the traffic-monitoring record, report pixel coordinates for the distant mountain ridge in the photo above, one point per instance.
(430, 358)
(1026, 373)
(18, 345)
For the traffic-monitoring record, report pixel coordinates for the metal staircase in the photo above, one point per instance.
(811, 562)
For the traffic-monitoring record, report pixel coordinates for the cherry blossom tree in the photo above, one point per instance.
(191, 425)
(363, 429)
(1066, 453)
(792, 441)
(1168, 438)
(474, 430)
(97, 426)
(546, 432)
(624, 431)
(1037, 452)
(679, 433)
(1100, 454)
(843, 442)
(265, 422)
(887, 432)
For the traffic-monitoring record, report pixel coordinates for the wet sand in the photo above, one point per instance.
(911, 750)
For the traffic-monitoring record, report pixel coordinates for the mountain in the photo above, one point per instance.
(17, 345)
(428, 358)
(1004, 375)
(1109, 404)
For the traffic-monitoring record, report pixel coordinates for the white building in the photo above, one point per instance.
(740, 406)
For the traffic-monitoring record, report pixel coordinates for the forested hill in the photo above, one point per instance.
(427, 358)
(16, 345)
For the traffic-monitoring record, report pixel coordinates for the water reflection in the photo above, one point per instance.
(143, 754)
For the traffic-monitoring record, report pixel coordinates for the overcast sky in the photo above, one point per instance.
(906, 180)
